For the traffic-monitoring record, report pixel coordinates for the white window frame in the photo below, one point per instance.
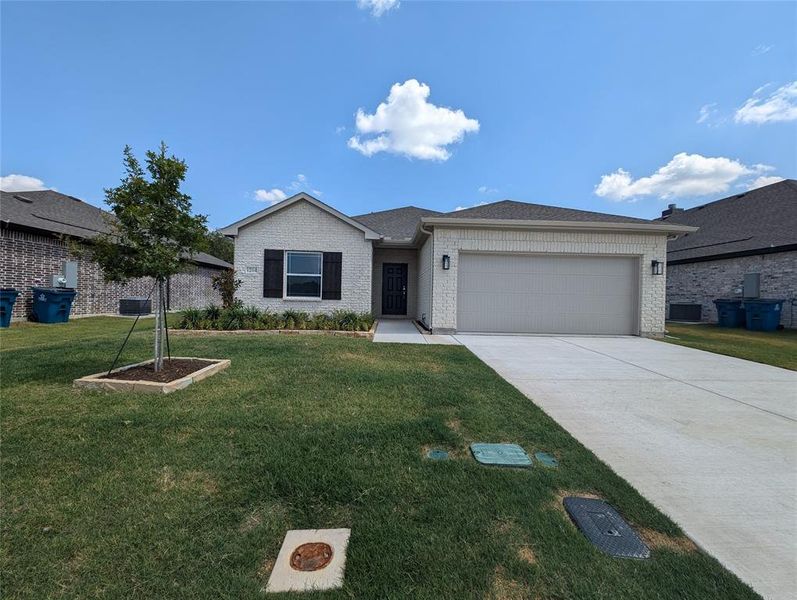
(320, 276)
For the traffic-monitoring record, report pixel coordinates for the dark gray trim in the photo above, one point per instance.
(727, 255)
(332, 271)
(272, 273)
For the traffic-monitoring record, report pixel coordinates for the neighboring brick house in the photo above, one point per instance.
(35, 227)
(750, 233)
(508, 266)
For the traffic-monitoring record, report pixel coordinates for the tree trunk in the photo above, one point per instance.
(158, 365)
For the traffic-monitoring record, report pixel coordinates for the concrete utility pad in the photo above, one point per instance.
(709, 439)
(404, 331)
(284, 578)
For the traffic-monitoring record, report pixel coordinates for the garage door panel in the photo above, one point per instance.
(521, 293)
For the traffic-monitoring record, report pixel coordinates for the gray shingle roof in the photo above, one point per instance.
(401, 223)
(51, 211)
(397, 223)
(760, 219)
(525, 211)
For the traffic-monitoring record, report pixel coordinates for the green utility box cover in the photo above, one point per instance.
(546, 460)
(436, 454)
(504, 455)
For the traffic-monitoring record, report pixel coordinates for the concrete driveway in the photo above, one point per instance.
(710, 440)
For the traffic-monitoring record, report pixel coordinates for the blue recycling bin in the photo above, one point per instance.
(52, 305)
(8, 296)
(729, 312)
(763, 314)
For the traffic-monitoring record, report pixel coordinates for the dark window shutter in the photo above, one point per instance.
(333, 264)
(272, 273)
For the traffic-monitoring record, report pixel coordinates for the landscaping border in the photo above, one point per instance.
(99, 381)
(339, 332)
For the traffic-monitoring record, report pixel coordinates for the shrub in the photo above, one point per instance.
(295, 319)
(251, 317)
(212, 313)
(226, 284)
(191, 319)
(232, 318)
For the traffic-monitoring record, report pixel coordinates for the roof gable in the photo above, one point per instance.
(232, 229)
(397, 223)
(527, 211)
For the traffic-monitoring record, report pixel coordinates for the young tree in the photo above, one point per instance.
(153, 231)
(226, 284)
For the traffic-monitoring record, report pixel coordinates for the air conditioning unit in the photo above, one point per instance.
(135, 306)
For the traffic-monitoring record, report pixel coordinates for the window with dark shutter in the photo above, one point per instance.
(332, 269)
(272, 273)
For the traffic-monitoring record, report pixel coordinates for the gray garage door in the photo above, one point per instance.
(522, 293)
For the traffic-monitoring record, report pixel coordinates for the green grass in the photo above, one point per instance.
(189, 495)
(776, 348)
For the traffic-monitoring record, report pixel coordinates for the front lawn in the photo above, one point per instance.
(190, 495)
(776, 348)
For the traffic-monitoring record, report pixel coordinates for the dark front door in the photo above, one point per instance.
(394, 289)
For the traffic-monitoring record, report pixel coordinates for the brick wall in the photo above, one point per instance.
(424, 301)
(451, 240)
(703, 282)
(29, 259)
(303, 226)
(193, 289)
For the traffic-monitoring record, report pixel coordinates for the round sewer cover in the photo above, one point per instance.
(311, 557)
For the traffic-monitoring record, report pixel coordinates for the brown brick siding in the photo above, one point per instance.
(28, 259)
(703, 282)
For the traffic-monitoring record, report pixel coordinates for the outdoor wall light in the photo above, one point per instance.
(446, 262)
(657, 267)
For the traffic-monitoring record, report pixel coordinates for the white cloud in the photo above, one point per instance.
(706, 112)
(271, 196)
(764, 180)
(484, 189)
(408, 124)
(686, 175)
(471, 206)
(378, 7)
(761, 49)
(780, 105)
(21, 183)
(300, 184)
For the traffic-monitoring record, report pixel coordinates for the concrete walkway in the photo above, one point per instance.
(710, 440)
(403, 331)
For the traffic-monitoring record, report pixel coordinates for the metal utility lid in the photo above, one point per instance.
(546, 460)
(605, 528)
(436, 454)
(504, 455)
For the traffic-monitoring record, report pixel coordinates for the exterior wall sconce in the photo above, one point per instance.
(657, 267)
(446, 262)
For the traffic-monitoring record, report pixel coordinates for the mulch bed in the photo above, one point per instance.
(172, 369)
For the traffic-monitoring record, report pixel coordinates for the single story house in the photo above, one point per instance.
(752, 234)
(34, 229)
(508, 267)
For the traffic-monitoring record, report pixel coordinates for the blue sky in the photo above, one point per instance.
(538, 102)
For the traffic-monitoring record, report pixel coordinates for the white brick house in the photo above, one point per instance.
(506, 267)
